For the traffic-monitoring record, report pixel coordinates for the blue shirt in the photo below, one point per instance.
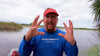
(50, 44)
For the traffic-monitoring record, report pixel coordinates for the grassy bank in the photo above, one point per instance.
(84, 29)
(28, 25)
(91, 51)
(78, 28)
(10, 26)
(94, 51)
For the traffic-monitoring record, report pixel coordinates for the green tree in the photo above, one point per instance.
(96, 11)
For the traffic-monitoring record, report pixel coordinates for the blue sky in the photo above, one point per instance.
(24, 11)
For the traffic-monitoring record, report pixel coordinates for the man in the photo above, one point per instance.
(49, 40)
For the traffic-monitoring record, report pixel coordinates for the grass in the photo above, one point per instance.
(94, 51)
(78, 28)
(84, 29)
(10, 26)
(28, 25)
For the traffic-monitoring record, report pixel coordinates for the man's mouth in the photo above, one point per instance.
(50, 24)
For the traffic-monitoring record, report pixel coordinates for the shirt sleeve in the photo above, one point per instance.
(25, 48)
(70, 50)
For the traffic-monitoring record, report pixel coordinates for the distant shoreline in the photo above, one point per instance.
(62, 27)
(11, 26)
(78, 28)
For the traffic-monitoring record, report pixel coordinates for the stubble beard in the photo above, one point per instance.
(50, 29)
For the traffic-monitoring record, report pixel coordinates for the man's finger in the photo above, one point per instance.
(65, 26)
(35, 21)
(60, 34)
(39, 22)
(41, 33)
(70, 24)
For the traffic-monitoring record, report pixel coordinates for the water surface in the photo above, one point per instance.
(10, 40)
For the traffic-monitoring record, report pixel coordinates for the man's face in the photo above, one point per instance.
(50, 21)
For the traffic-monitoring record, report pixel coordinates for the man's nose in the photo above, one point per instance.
(50, 19)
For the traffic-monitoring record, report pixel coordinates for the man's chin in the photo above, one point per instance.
(50, 29)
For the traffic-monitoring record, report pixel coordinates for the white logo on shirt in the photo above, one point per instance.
(50, 40)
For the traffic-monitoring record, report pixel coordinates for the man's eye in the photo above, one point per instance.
(47, 16)
(53, 16)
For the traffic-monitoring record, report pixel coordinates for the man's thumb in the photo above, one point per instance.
(60, 34)
(41, 33)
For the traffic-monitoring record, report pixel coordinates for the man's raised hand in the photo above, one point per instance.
(69, 33)
(33, 30)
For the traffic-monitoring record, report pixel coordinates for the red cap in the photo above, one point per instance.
(50, 11)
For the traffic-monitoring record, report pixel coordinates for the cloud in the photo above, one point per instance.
(24, 11)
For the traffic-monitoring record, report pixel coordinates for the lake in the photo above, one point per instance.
(10, 40)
